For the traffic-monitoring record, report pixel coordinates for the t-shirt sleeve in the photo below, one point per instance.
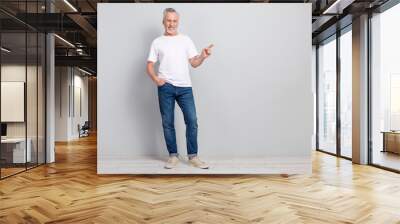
(191, 49)
(153, 56)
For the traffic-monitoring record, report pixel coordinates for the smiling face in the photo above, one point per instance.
(171, 22)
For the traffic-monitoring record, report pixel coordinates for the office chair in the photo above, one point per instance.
(84, 130)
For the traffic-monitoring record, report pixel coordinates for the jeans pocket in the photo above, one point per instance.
(165, 84)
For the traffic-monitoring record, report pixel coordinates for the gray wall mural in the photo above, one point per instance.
(253, 95)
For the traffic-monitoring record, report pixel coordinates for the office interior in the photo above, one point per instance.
(28, 56)
(48, 80)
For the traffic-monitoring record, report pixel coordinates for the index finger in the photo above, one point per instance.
(211, 45)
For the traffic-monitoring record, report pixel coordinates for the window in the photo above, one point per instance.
(385, 88)
(346, 93)
(327, 96)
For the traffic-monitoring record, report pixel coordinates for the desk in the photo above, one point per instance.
(16, 147)
(391, 141)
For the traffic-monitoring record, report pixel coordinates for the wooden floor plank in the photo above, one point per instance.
(70, 191)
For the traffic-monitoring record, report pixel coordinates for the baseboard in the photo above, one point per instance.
(147, 165)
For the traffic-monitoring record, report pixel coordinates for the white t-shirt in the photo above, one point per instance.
(173, 52)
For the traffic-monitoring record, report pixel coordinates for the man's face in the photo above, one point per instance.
(171, 22)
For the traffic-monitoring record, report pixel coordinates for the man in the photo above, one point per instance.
(175, 51)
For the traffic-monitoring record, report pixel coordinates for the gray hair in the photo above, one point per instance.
(169, 10)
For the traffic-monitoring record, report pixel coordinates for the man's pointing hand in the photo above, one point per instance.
(206, 51)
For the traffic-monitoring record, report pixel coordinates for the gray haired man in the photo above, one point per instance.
(175, 51)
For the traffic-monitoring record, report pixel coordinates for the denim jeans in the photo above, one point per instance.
(167, 95)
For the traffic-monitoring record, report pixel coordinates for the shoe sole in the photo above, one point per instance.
(204, 168)
(166, 167)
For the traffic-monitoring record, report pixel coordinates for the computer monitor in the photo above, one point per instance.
(3, 129)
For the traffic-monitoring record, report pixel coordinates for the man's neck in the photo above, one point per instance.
(167, 34)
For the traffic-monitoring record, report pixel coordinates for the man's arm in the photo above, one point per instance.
(152, 74)
(196, 61)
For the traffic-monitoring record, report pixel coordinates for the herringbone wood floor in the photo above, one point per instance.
(70, 191)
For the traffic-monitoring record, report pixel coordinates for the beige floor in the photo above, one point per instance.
(10, 171)
(70, 191)
(5, 172)
(387, 159)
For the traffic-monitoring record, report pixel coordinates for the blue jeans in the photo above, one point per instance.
(167, 94)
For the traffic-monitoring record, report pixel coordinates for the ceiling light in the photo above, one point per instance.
(5, 50)
(64, 40)
(84, 71)
(326, 11)
(70, 5)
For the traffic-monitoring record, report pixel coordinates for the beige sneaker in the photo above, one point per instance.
(196, 162)
(172, 162)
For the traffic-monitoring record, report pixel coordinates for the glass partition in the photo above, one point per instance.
(14, 153)
(22, 77)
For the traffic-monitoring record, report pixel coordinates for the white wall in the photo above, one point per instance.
(61, 103)
(68, 81)
(80, 84)
(253, 95)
